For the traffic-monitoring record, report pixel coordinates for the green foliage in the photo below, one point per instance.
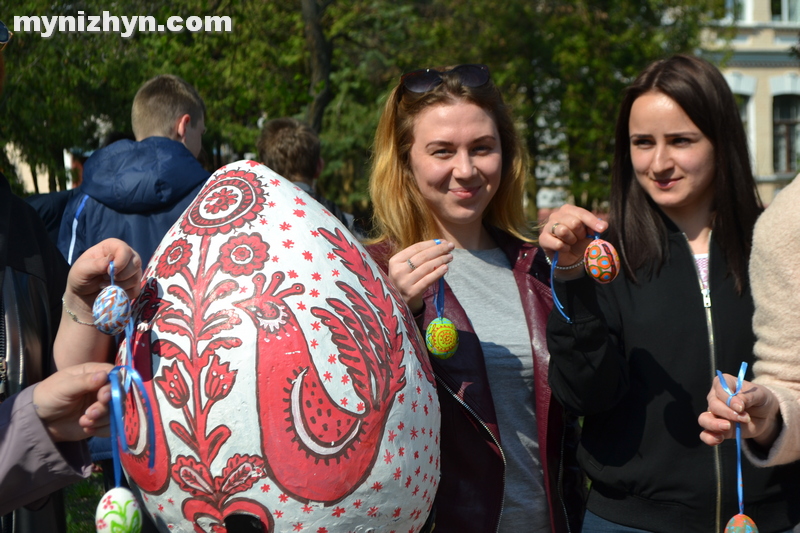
(560, 64)
(80, 501)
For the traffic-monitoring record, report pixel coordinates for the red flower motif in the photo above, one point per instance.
(174, 386)
(220, 200)
(175, 258)
(219, 379)
(227, 202)
(244, 254)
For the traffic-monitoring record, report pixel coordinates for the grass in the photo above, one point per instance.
(81, 501)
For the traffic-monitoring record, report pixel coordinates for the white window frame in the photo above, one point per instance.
(746, 14)
(784, 14)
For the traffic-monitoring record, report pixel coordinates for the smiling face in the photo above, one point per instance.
(456, 160)
(672, 159)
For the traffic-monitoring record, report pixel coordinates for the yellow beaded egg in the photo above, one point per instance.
(441, 338)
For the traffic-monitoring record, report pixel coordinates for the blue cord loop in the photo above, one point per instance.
(725, 387)
(438, 298)
(122, 377)
(556, 301)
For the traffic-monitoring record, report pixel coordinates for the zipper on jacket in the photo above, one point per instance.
(706, 294)
(502, 454)
(3, 351)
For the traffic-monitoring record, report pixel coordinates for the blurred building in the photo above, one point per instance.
(764, 75)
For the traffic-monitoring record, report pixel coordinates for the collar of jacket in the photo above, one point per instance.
(141, 177)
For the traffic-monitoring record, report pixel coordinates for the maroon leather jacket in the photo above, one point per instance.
(470, 494)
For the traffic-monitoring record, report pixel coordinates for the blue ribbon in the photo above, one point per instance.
(438, 298)
(724, 384)
(120, 386)
(556, 302)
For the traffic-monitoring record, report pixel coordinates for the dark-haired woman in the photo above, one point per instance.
(636, 357)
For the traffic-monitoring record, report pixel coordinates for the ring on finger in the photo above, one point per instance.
(553, 228)
(410, 264)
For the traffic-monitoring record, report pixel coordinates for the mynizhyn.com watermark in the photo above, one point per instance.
(124, 25)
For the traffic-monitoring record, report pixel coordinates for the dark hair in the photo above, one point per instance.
(636, 224)
(290, 148)
(401, 215)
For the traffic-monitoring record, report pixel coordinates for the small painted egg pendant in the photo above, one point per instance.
(441, 338)
(601, 260)
(112, 308)
(118, 512)
(741, 523)
(441, 335)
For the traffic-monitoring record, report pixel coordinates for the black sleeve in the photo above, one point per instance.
(31, 250)
(588, 368)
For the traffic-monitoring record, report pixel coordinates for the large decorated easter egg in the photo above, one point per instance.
(741, 524)
(601, 260)
(286, 374)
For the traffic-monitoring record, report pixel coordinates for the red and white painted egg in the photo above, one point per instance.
(601, 261)
(286, 373)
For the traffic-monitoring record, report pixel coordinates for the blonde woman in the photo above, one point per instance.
(447, 185)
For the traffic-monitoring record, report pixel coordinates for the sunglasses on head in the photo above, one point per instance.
(426, 79)
(5, 35)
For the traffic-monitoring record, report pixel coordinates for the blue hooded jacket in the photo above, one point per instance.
(134, 191)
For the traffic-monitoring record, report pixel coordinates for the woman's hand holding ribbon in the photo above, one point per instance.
(755, 408)
(417, 267)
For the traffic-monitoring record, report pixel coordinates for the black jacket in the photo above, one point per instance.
(33, 276)
(638, 362)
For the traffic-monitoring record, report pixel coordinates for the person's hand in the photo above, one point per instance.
(91, 273)
(73, 403)
(417, 267)
(78, 341)
(755, 408)
(568, 231)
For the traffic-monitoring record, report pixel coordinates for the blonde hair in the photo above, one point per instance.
(160, 102)
(400, 214)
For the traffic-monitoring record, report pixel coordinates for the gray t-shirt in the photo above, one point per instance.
(484, 285)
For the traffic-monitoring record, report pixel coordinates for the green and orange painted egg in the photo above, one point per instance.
(601, 261)
(741, 524)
